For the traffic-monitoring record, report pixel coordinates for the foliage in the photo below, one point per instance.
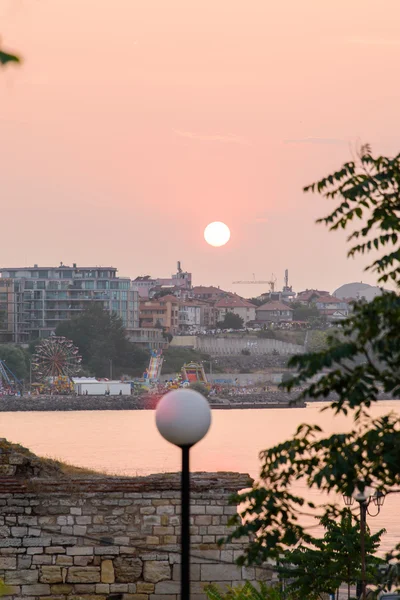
(101, 338)
(304, 313)
(317, 340)
(176, 356)
(231, 321)
(331, 560)
(197, 386)
(356, 367)
(266, 334)
(244, 592)
(6, 58)
(16, 359)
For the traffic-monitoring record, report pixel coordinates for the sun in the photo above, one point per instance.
(217, 234)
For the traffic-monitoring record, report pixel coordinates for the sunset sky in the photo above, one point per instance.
(133, 124)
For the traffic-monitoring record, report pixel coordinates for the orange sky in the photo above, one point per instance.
(132, 124)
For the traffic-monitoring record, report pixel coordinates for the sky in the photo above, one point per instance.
(132, 124)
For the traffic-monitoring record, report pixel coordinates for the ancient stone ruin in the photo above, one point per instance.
(68, 535)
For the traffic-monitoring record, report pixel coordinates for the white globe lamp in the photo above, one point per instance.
(183, 418)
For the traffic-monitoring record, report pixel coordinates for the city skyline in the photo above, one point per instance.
(123, 141)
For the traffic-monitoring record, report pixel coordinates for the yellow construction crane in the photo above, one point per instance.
(271, 282)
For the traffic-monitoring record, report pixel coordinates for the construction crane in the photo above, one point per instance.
(271, 282)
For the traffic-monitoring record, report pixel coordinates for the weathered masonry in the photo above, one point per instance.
(78, 537)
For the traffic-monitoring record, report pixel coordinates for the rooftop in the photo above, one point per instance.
(274, 306)
(234, 302)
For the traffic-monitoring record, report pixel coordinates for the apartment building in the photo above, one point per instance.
(42, 297)
(237, 305)
(6, 310)
(162, 313)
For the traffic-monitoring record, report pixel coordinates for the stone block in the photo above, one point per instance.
(50, 575)
(136, 597)
(8, 562)
(34, 550)
(197, 509)
(85, 588)
(109, 550)
(194, 572)
(55, 550)
(75, 510)
(102, 588)
(167, 587)
(216, 530)
(19, 531)
(39, 589)
(7, 470)
(36, 541)
(151, 520)
(107, 571)
(61, 588)
(85, 520)
(155, 571)
(220, 573)
(24, 562)
(21, 577)
(127, 569)
(83, 575)
(79, 530)
(83, 561)
(119, 588)
(166, 510)
(203, 520)
(64, 561)
(214, 510)
(152, 539)
(80, 550)
(143, 587)
(42, 559)
(147, 510)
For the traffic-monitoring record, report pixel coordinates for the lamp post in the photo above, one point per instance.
(364, 499)
(183, 418)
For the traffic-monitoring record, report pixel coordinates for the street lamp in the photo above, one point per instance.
(364, 498)
(183, 418)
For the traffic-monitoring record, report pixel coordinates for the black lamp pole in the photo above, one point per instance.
(363, 521)
(185, 526)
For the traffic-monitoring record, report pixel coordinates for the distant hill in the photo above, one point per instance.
(358, 290)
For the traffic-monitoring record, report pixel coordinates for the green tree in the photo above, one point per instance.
(355, 368)
(231, 321)
(16, 360)
(103, 343)
(330, 561)
(6, 58)
(304, 313)
(248, 591)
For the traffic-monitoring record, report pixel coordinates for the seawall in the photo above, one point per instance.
(77, 403)
(66, 537)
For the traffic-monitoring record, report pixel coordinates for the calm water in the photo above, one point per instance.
(128, 443)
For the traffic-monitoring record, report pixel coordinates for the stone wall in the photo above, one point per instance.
(225, 346)
(66, 537)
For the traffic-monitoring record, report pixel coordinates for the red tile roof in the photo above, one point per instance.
(274, 306)
(234, 302)
(329, 299)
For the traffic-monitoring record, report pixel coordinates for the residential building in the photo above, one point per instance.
(190, 315)
(274, 312)
(148, 338)
(332, 308)
(237, 305)
(145, 284)
(162, 313)
(210, 292)
(43, 297)
(310, 296)
(6, 310)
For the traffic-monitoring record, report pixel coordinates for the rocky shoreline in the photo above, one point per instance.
(271, 399)
(77, 403)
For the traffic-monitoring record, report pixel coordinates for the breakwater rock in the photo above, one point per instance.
(76, 403)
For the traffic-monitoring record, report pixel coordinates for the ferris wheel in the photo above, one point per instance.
(56, 357)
